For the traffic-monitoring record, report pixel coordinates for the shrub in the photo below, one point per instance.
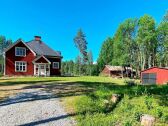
(148, 102)
(128, 124)
(137, 116)
(108, 106)
(164, 118)
(130, 82)
(159, 112)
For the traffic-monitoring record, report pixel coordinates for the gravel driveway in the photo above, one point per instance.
(33, 107)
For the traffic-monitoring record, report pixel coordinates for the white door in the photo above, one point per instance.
(42, 70)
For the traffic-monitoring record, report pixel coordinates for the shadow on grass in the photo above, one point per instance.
(13, 83)
(65, 89)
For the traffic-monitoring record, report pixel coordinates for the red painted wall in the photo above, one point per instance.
(162, 74)
(55, 71)
(106, 71)
(11, 58)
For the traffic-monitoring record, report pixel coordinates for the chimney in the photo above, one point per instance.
(37, 38)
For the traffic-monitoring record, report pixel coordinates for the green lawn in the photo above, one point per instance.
(84, 98)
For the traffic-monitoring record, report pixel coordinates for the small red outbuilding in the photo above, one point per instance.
(154, 75)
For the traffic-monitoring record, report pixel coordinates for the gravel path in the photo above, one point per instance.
(33, 107)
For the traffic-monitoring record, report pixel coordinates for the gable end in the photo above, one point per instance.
(17, 42)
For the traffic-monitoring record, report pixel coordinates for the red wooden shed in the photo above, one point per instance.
(154, 75)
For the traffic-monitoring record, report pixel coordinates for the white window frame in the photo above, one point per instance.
(20, 48)
(22, 66)
(54, 66)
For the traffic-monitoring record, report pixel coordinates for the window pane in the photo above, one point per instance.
(42, 67)
(20, 51)
(17, 52)
(24, 68)
(21, 66)
(17, 68)
(24, 52)
(55, 64)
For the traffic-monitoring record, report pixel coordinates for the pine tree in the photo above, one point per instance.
(81, 44)
(90, 63)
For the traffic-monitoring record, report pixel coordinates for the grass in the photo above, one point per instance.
(85, 98)
(12, 85)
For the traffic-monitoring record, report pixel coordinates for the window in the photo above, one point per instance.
(55, 65)
(20, 66)
(20, 51)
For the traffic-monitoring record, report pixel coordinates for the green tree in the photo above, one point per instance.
(147, 44)
(124, 46)
(95, 70)
(63, 68)
(162, 38)
(71, 67)
(81, 44)
(106, 54)
(78, 66)
(3, 45)
(90, 63)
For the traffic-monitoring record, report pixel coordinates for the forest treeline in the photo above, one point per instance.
(71, 68)
(139, 43)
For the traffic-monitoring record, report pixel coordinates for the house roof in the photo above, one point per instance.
(166, 68)
(42, 49)
(114, 68)
(118, 68)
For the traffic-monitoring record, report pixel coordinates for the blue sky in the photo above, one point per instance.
(57, 21)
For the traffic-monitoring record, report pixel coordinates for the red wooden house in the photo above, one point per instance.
(154, 75)
(33, 58)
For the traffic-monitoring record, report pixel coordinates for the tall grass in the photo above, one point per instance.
(136, 101)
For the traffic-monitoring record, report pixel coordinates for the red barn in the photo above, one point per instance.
(154, 75)
(33, 58)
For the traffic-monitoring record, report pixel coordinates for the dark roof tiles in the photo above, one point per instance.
(40, 48)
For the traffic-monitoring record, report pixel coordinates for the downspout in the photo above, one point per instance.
(4, 66)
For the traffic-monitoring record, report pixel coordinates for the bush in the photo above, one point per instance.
(148, 102)
(159, 112)
(130, 82)
(165, 118)
(137, 116)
